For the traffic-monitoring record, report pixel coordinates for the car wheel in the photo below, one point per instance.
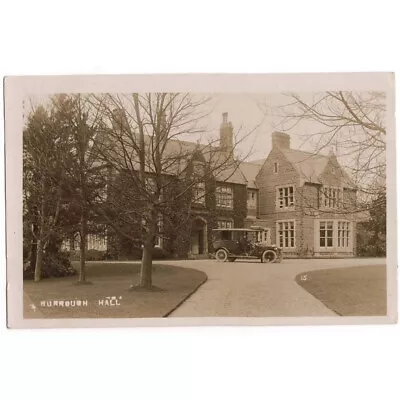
(221, 255)
(269, 256)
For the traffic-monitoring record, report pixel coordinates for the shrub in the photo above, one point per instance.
(54, 265)
(95, 255)
(160, 254)
(136, 254)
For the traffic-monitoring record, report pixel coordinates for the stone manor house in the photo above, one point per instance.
(305, 201)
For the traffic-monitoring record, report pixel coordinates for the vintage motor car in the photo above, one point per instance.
(245, 243)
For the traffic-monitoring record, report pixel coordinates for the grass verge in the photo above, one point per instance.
(109, 295)
(351, 291)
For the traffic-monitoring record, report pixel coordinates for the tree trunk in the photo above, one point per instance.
(83, 235)
(33, 254)
(35, 233)
(146, 268)
(39, 260)
(146, 280)
(40, 239)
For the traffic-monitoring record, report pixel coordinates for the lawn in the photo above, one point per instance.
(111, 280)
(352, 291)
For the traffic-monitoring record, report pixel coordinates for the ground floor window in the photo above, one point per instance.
(326, 234)
(286, 236)
(343, 234)
(159, 232)
(225, 223)
(334, 234)
(96, 242)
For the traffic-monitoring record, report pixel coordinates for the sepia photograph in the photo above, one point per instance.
(221, 206)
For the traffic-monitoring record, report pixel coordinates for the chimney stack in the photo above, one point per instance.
(226, 134)
(281, 140)
(119, 120)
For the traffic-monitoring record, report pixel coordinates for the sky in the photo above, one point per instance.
(246, 111)
(254, 118)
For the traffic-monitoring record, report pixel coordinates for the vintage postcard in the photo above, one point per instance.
(175, 200)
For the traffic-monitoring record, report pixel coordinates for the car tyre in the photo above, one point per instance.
(221, 255)
(269, 256)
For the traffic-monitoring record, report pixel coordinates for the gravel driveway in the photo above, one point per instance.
(252, 289)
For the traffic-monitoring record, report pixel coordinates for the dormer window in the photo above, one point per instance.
(276, 167)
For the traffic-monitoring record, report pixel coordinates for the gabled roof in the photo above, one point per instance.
(311, 166)
(258, 162)
(179, 152)
(231, 175)
(250, 171)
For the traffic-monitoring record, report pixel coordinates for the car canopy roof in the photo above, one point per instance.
(254, 229)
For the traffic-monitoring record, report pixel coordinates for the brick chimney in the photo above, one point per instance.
(281, 140)
(226, 134)
(119, 120)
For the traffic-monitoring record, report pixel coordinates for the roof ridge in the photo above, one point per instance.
(307, 152)
(250, 162)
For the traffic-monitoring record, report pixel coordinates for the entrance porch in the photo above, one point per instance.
(199, 241)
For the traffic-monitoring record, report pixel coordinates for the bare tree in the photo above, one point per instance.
(82, 167)
(156, 173)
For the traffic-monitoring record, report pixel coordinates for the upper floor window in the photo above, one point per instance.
(331, 197)
(198, 168)
(285, 197)
(224, 196)
(276, 167)
(199, 195)
(251, 199)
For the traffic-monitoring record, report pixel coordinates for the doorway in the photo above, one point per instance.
(199, 237)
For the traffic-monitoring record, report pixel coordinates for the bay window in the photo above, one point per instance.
(334, 235)
(326, 234)
(343, 230)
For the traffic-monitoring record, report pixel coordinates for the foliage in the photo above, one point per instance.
(54, 265)
(371, 235)
(61, 177)
(90, 255)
